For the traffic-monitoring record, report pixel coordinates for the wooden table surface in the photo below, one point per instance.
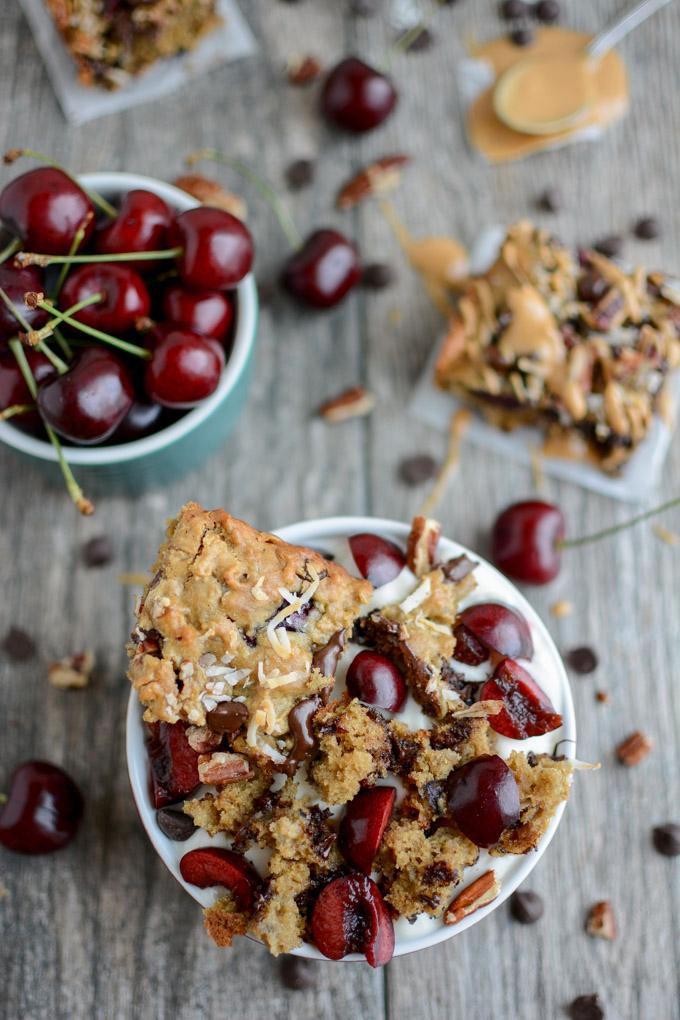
(101, 930)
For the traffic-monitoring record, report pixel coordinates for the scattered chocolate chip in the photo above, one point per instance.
(591, 286)
(512, 9)
(363, 8)
(550, 200)
(666, 839)
(586, 1007)
(299, 174)
(610, 246)
(419, 468)
(175, 824)
(297, 973)
(582, 660)
(521, 36)
(18, 645)
(602, 697)
(266, 291)
(423, 41)
(526, 906)
(98, 551)
(547, 11)
(377, 276)
(647, 228)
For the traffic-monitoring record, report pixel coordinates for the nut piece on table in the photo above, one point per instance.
(634, 748)
(352, 403)
(223, 767)
(601, 922)
(422, 545)
(378, 178)
(209, 192)
(303, 70)
(480, 892)
(74, 671)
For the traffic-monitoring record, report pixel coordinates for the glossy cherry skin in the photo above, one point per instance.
(143, 419)
(185, 369)
(323, 271)
(45, 208)
(209, 866)
(141, 225)
(527, 709)
(208, 312)
(350, 916)
(218, 248)
(88, 403)
(43, 809)
(500, 628)
(525, 541)
(363, 825)
(375, 680)
(16, 283)
(378, 559)
(483, 799)
(173, 761)
(357, 97)
(13, 388)
(125, 300)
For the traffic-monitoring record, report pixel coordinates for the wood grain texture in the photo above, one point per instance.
(101, 931)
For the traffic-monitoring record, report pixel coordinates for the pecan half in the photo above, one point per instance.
(352, 403)
(480, 892)
(422, 545)
(303, 70)
(601, 922)
(634, 748)
(202, 739)
(73, 671)
(377, 178)
(210, 192)
(223, 767)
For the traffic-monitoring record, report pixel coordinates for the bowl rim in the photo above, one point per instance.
(308, 532)
(112, 183)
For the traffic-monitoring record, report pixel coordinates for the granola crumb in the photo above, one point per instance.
(74, 671)
(634, 748)
(561, 609)
(666, 535)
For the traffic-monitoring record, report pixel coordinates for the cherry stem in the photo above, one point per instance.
(123, 345)
(75, 245)
(15, 409)
(75, 492)
(64, 344)
(267, 191)
(10, 249)
(29, 258)
(570, 543)
(13, 154)
(35, 336)
(54, 359)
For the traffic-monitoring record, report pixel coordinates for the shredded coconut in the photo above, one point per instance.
(416, 597)
(257, 592)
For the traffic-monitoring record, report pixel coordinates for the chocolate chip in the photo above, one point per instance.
(297, 973)
(512, 9)
(175, 824)
(586, 1007)
(591, 286)
(377, 276)
(326, 659)
(526, 906)
(582, 660)
(423, 41)
(419, 468)
(522, 36)
(363, 8)
(547, 11)
(98, 551)
(609, 246)
(647, 228)
(266, 291)
(550, 200)
(666, 839)
(299, 174)
(18, 645)
(227, 717)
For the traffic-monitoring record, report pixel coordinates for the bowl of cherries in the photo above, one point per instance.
(128, 318)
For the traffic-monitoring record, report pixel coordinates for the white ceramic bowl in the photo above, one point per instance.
(546, 666)
(179, 447)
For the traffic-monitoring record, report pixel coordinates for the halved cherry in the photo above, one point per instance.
(483, 799)
(350, 916)
(378, 559)
(527, 710)
(210, 866)
(375, 680)
(468, 649)
(174, 763)
(363, 825)
(500, 628)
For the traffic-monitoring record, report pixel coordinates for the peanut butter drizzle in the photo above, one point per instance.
(567, 445)
(532, 331)
(460, 422)
(498, 142)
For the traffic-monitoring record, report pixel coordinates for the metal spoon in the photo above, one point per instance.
(543, 72)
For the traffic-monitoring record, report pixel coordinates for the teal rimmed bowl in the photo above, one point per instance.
(179, 448)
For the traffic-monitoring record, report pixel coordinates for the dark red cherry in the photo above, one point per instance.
(483, 799)
(173, 761)
(141, 225)
(43, 809)
(209, 866)
(88, 403)
(357, 97)
(525, 541)
(13, 388)
(375, 680)
(323, 270)
(143, 419)
(45, 208)
(16, 283)
(500, 628)
(468, 649)
(125, 300)
(350, 916)
(208, 312)
(185, 369)
(363, 825)
(378, 559)
(159, 331)
(218, 248)
(527, 710)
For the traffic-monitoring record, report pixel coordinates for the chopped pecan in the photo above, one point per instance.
(422, 545)
(600, 921)
(634, 748)
(223, 767)
(73, 671)
(480, 892)
(203, 739)
(303, 70)
(352, 403)
(375, 179)
(210, 192)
